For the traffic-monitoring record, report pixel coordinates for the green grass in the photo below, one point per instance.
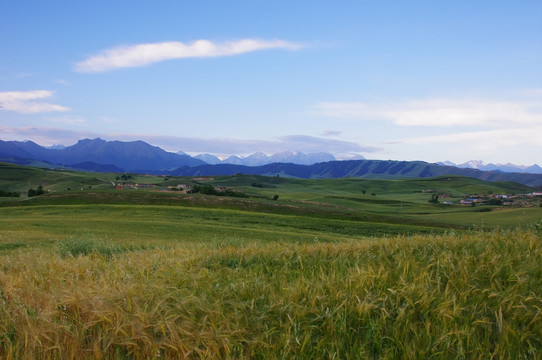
(397, 202)
(38, 225)
(324, 272)
(86, 245)
(498, 217)
(21, 178)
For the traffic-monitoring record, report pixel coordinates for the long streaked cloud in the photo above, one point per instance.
(145, 54)
(438, 112)
(488, 139)
(302, 143)
(316, 144)
(506, 143)
(27, 102)
(50, 136)
(44, 135)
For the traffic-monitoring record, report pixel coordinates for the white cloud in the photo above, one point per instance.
(439, 112)
(25, 102)
(44, 135)
(466, 128)
(518, 145)
(314, 144)
(487, 139)
(465, 113)
(307, 144)
(145, 54)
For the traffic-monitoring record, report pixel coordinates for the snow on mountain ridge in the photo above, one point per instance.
(508, 167)
(259, 158)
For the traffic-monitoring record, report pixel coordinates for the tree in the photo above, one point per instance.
(434, 199)
(32, 192)
(205, 189)
(494, 202)
(275, 197)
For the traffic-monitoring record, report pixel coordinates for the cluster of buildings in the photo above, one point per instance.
(123, 186)
(505, 200)
(182, 188)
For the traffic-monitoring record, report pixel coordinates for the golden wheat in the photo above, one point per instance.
(453, 296)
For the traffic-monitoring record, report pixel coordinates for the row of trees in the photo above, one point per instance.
(208, 189)
(8, 193)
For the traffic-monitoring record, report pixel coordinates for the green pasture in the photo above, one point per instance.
(21, 178)
(498, 217)
(404, 189)
(327, 270)
(305, 209)
(31, 226)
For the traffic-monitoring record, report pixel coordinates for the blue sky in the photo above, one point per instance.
(402, 80)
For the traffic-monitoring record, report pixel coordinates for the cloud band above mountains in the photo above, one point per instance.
(145, 54)
(303, 143)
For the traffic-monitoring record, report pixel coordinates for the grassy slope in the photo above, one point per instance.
(21, 178)
(317, 274)
(39, 226)
(397, 202)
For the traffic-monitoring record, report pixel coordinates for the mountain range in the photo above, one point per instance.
(139, 157)
(370, 169)
(88, 154)
(481, 165)
(259, 158)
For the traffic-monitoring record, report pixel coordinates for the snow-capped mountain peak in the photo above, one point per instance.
(473, 164)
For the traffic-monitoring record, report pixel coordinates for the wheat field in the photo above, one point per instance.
(473, 296)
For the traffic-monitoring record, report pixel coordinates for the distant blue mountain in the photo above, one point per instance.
(139, 157)
(135, 156)
(259, 158)
(480, 165)
(370, 169)
(207, 158)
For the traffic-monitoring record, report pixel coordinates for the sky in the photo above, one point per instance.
(400, 80)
